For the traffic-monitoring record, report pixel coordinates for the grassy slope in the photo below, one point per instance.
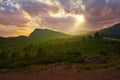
(37, 36)
(74, 49)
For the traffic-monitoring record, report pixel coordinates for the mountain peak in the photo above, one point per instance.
(43, 32)
(46, 34)
(40, 30)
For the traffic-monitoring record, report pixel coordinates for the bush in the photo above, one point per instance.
(6, 54)
(98, 35)
(18, 55)
(30, 51)
(75, 57)
(103, 53)
(40, 52)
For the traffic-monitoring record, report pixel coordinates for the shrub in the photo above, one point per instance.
(30, 51)
(75, 57)
(103, 53)
(40, 52)
(6, 54)
(98, 35)
(18, 55)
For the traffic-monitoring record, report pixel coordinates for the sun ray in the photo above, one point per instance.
(80, 18)
(79, 23)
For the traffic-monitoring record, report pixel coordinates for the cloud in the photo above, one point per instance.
(58, 14)
(13, 31)
(101, 12)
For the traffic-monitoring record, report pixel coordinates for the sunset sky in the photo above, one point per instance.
(21, 17)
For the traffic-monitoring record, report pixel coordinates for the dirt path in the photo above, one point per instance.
(112, 39)
(64, 75)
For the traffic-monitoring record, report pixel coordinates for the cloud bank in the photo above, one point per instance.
(21, 17)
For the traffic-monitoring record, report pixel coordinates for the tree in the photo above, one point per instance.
(98, 35)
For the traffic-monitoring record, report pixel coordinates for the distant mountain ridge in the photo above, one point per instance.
(113, 32)
(46, 34)
(36, 35)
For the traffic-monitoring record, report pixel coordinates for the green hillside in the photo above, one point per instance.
(38, 35)
(45, 34)
(75, 49)
(46, 47)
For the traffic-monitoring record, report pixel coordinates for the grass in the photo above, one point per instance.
(87, 52)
